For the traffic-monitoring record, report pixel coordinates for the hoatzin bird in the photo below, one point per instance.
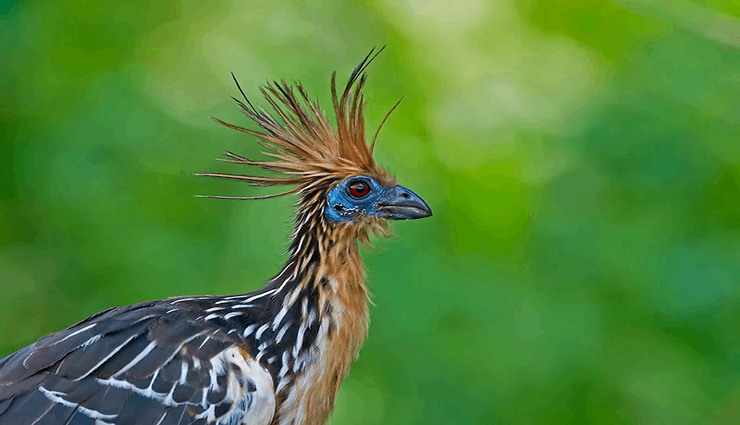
(273, 356)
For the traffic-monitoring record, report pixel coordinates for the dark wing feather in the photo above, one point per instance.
(150, 363)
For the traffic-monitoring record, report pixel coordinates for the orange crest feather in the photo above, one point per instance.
(303, 146)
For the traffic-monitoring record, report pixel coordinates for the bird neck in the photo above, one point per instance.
(325, 254)
(326, 265)
(319, 299)
(319, 317)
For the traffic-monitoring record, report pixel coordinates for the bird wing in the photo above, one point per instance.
(143, 364)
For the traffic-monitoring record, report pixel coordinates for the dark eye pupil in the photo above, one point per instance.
(359, 189)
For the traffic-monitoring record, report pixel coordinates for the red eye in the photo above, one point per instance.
(359, 189)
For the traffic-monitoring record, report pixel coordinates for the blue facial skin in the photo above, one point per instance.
(394, 202)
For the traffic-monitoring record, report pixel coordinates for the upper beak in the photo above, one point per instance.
(399, 203)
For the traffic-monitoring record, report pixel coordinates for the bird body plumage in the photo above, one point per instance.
(275, 356)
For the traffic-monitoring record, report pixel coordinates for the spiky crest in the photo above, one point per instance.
(304, 147)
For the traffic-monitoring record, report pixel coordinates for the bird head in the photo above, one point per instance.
(359, 197)
(332, 169)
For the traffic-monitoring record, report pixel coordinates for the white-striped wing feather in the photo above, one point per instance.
(144, 364)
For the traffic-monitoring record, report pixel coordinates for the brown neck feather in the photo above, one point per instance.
(330, 268)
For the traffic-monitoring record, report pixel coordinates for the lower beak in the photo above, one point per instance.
(400, 203)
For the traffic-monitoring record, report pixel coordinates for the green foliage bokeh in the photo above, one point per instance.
(582, 160)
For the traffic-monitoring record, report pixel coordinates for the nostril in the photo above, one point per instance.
(338, 207)
(405, 195)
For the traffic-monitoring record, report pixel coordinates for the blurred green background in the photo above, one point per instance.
(582, 160)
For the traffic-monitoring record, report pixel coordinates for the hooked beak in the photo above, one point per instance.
(399, 203)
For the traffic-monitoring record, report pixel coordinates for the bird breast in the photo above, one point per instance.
(341, 332)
